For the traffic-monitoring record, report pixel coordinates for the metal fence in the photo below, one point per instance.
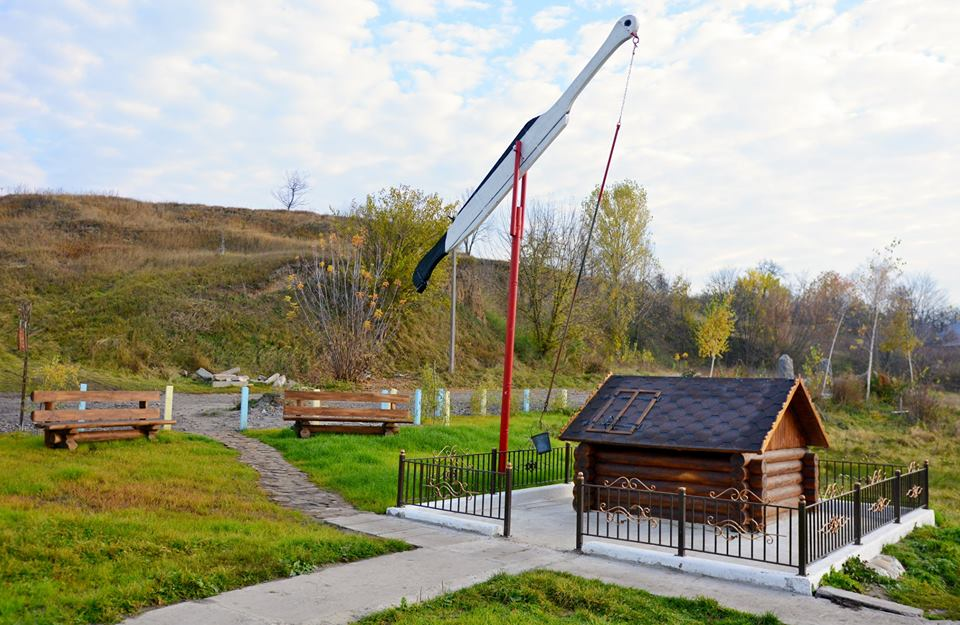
(842, 518)
(473, 484)
(739, 524)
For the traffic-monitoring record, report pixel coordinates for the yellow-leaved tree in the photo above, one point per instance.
(713, 333)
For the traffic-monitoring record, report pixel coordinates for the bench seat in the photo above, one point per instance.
(308, 417)
(69, 426)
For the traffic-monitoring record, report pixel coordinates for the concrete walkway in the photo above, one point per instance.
(445, 560)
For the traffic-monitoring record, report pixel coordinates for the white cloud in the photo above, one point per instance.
(810, 136)
(552, 18)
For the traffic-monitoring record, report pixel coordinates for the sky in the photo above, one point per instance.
(807, 132)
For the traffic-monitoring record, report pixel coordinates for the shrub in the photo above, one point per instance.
(887, 387)
(848, 390)
(925, 406)
(58, 376)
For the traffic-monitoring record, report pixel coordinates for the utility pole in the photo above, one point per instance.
(453, 311)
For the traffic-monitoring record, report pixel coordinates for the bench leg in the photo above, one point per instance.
(70, 440)
(149, 432)
(49, 439)
(304, 432)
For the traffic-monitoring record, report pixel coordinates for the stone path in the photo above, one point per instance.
(285, 484)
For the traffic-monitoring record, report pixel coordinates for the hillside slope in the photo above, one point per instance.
(136, 292)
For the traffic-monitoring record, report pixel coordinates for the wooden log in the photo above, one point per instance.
(76, 425)
(352, 397)
(98, 414)
(783, 468)
(657, 473)
(778, 481)
(332, 411)
(784, 454)
(675, 460)
(783, 493)
(105, 435)
(88, 396)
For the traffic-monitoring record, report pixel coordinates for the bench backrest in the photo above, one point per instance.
(51, 414)
(302, 403)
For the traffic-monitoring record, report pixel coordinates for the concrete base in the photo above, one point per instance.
(458, 522)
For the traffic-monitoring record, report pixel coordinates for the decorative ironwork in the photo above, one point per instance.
(880, 505)
(616, 514)
(834, 525)
(832, 490)
(730, 530)
(877, 476)
(449, 451)
(743, 495)
(915, 491)
(530, 466)
(628, 482)
(448, 484)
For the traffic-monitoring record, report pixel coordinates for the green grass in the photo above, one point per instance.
(96, 534)
(550, 598)
(364, 468)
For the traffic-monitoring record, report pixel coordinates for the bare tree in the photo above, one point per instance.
(292, 193)
(876, 282)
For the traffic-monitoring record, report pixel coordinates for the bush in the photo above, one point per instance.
(925, 406)
(848, 390)
(886, 387)
(59, 376)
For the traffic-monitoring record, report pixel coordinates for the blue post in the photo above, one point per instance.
(384, 405)
(244, 406)
(417, 398)
(526, 400)
(83, 404)
(439, 407)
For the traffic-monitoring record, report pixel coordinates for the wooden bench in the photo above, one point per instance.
(67, 427)
(308, 417)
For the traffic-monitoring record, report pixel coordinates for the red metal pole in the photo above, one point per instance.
(516, 231)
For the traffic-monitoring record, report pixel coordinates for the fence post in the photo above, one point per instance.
(244, 406)
(446, 406)
(802, 535)
(417, 403)
(493, 471)
(526, 400)
(926, 483)
(580, 495)
(400, 476)
(168, 406)
(682, 533)
(83, 389)
(562, 401)
(439, 404)
(566, 463)
(857, 515)
(483, 402)
(896, 496)
(507, 504)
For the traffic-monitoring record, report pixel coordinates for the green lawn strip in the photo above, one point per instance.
(93, 535)
(364, 468)
(551, 598)
(930, 555)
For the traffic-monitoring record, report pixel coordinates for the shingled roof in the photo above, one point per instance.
(705, 414)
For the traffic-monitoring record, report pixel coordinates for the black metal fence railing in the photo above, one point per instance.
(473, 484)
(732, 523)
(738, 524)
(839, 476)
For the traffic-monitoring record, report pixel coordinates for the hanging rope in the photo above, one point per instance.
(586, 247)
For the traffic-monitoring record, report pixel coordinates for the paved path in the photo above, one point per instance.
(284, 483)
(445, 560)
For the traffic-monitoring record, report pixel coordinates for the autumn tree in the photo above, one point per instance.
(713, 333)
(762, 304)
(875, 282)
(899, 335)
(549, 257)
(621, 257)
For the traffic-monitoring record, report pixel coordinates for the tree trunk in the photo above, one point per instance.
(910, 363)
(713, 359)
(873, 339)
(23, 386)
(828, 372)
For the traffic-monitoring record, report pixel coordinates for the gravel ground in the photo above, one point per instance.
(221, 412)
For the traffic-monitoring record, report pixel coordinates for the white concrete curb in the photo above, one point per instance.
(730, 571)
(464, 524)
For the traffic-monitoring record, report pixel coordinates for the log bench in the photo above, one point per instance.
(67, 427)
(308, 416)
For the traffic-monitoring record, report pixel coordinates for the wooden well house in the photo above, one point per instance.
(745, 437)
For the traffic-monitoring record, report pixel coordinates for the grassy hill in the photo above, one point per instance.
(136, 292)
